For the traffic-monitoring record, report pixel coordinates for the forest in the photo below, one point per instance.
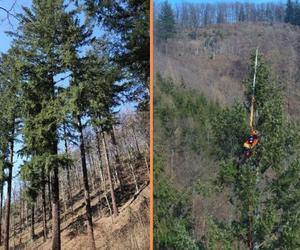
(74, 133)
(205, 197)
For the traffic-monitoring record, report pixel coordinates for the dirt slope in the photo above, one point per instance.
(129, 230)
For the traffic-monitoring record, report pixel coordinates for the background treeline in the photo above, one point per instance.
(192, 16)
(70, 152)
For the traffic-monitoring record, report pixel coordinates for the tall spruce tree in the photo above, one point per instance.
(10, 86)
(104, 95)
(128, 22)
(258, 215)
(40, 43)
(76, 36)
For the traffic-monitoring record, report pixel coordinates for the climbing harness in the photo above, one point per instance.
(253, 138)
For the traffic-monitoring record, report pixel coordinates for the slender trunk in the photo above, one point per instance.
(8, 202)
(32, 222)
(136, 142)
(49, 195)
(21, 213)
(132, 171)
(118, 162)
(86, 187)
(56, 241)
(134, 178)
(45, 230)
(112, 191)
(103, 182)
(1, 205)
(69, 192)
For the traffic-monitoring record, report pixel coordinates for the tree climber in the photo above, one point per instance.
(250, 143)
(253, 138)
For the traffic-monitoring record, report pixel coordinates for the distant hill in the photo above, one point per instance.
(216, 62)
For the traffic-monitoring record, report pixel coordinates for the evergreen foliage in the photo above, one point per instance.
(165, 22)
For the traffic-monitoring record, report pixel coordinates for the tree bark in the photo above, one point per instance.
(102, 177)
(118, 162)
(32, 222)
(1, 205)
(49, 196)
(8, 201)
(45, 230)
(112, 191)
(86, 187)
(56, 241)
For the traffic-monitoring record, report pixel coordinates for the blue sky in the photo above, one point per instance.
(5, 25)
(218, 1)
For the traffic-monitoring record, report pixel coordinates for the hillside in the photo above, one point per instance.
(216, 62)
(130, 229)
(204, 196)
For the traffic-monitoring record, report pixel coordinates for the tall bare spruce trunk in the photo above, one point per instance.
(86, 187)
(56, 241)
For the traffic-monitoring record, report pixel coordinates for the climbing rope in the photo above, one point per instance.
(253, 93)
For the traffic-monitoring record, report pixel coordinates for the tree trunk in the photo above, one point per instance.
(136, 142)
(103, 182)
(56, 241)
(49, 195)
(8, 201)
(32, 222)
(45, 230)
(118, 162)
(69, 192)
(1, 205)
(86, 187)
(112, 191)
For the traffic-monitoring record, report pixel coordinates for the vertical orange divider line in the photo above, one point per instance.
(151, 124)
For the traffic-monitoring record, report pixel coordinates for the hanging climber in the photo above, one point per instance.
(253, 138)
(250, 143)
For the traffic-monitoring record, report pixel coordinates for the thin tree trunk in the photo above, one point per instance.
(136, 142)
(103, 182)
(1, 205)
(118, 162)
(45, 230)
(134, 178)
(56, 241)
(112, 191)
(8, 202)
(69, 192)
(49, 195)
(86, 187)
(32, 222)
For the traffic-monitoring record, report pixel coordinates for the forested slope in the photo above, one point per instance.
(216, 62)
(205, 196)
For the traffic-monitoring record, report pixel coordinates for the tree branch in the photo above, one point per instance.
(9, 13)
